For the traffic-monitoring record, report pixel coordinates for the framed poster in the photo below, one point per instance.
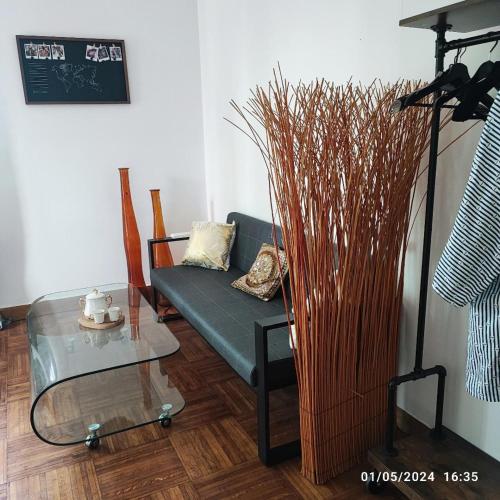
(58, 70)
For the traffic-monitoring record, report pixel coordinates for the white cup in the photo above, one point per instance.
(99, 316)
(114, 313)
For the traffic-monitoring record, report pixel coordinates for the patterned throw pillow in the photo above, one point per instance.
(263, 279)
(210, 245)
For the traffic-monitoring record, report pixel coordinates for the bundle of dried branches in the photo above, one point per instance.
(342, 173)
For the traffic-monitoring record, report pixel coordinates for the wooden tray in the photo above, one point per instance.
(89, 323)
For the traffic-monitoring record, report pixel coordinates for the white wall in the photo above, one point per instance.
(60, 212)
(240, 44)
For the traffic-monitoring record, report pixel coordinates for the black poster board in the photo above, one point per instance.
(58, 70)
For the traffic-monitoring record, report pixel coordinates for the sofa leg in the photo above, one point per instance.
(267, 455)
(271, 456)
(154, 301)
(261, 360)
(170, 317)
(263, 431)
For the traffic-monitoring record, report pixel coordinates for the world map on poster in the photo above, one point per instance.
(77, 76)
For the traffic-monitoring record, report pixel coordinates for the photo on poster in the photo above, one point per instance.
(91, 53)
(102, 53)
(44, 51)
(115, 53)
(31, 51)
(58, 52)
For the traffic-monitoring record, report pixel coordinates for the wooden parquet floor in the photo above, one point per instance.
(209, 451)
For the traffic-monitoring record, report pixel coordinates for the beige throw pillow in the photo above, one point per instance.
(263, 279)
(210, 245)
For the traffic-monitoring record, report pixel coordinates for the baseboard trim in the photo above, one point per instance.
(407, 423)
(15, 313)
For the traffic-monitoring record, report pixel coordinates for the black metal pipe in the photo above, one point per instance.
(151, 257)
(429, 207)
(415, 375)
(460, 43)
(437, 432)
(391, 403)
(391, 418)
(418, 372)
(441, 47)
(428, 105)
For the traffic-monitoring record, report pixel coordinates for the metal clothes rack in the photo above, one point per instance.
(465, 16)
(460, 13)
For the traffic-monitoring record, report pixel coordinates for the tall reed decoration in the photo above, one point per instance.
(342, 173)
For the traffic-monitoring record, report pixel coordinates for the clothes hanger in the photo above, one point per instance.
(487, 67)
(454, 90)
(451, 79)
(480, 112)
(476, 91)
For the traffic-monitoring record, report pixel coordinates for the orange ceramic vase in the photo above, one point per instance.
(162, 254)
(131, 238)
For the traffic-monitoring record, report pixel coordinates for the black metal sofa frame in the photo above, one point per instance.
(268, 374)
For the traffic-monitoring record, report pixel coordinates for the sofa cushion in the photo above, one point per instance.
(222, 315)
(250, 234)
(264, 277)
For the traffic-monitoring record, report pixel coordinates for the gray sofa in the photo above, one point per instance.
(250, 334)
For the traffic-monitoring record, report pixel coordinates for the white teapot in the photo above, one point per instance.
(94, 301)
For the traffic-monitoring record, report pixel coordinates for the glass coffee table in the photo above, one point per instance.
(87, 384)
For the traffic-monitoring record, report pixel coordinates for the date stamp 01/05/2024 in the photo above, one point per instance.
(408, 476)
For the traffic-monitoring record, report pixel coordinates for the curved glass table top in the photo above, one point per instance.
(88, 382)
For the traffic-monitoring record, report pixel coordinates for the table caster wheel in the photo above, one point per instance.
(165, 422)
(92, 443)
(373, 486)
(92, 440)
(165, 418)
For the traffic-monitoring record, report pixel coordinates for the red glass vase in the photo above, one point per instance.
(162, 254)
(131, 238)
